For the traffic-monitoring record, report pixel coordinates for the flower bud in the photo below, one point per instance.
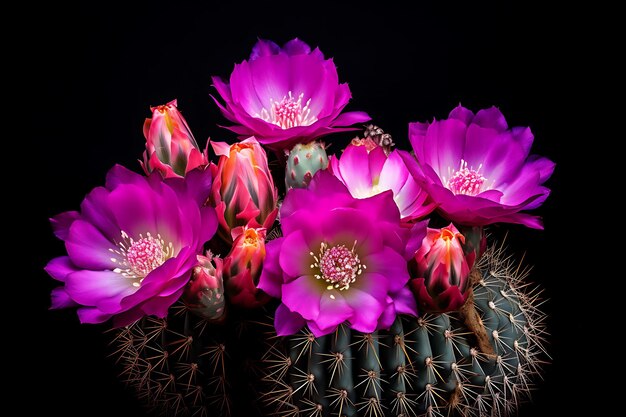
(170, 146)
(242, 268)
(243, 190)
(204, 293)
(441, 271)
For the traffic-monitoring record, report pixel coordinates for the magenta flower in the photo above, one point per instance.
(284, 96)
(441, 277)
(478, 170)
(171, 148)
(366, 170)
(131, 248)
(340, 259)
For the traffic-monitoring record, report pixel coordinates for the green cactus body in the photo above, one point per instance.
(303, 161)
(186, 366)
(426, 366)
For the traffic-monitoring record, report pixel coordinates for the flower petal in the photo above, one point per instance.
(390, 264)
(61, 299)
(270, 78)
(287, 322)
(354, 168)
(367, 310)
(375, 284)
(134, 209)
(264, 48)
(61, 223)
(88, 248)
(271, 278)
(388, 317)
(334, 310)
(351, 117)
(90, 288)
(296, 47)
(462, 114)
(404, 302)
(159, 306)
(295, 259)
(59, 268)
(416, 237)
(393, 174)
(92, 315)
(491, 118)
(95, 210)
(303, 296)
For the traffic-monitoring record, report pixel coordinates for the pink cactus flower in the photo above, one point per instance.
(477, 169)
(284, 96)
(132, 247)
(366, 170)
(340, 259)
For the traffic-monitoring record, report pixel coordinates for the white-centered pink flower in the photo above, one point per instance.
(366, 171)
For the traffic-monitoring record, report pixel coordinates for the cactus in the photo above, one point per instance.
(187, 366)
(303, 161)
(427, 366)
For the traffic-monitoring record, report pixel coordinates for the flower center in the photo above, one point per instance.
(447, 234)
(145, 255)
(288, 112)
(137, 258)
(466, 181)
(251, 238)
(338, 266)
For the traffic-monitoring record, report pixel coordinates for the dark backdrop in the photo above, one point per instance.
(98, 69)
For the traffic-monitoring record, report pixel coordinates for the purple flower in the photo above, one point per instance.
(478, 170)
(132, 246)
(340, 259)
(366, 170)
(284, 96)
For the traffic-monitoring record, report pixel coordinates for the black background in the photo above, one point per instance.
(98, 69)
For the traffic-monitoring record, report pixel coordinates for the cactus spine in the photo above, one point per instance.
(427, 366)
(187, 366)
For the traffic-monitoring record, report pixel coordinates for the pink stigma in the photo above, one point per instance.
(137, 258)
(338, 266)
(288, 112)
(466, 181)
(145, 255)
